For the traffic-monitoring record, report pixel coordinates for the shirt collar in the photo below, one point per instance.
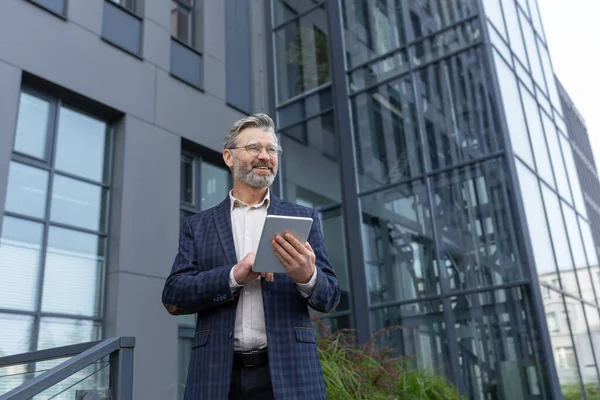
(234, 202)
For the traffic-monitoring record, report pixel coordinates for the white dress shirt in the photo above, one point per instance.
(247, 223)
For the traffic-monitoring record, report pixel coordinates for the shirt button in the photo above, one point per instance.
(247, 293)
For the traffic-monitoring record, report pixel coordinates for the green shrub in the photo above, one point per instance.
(369, 372)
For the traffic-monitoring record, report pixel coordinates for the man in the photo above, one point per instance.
(254, 338)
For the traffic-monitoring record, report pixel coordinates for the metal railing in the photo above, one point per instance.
(120, 362)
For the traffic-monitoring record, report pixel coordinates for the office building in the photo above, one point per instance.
(432, 137)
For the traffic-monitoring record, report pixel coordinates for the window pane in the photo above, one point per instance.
(333, 232)
(573, 177)
(493, 10)
(32, 126)
(430, 16)
(515, 120)
(557, 229)
(387, 135)
(514, 30)
(458, 110)
(534, 59)
(187, 180)
(20, 247)
(574, 237)
(423, 339)
(590, 248)
(536, 221)
(499, 43)
(372, 28)
(57, 6)
(581, 339)
(536, 134)
(446, 42)
(56, 332)
(27, 190)
(74, 274)
(498, 344)
(562, 184)
(398, 244)
(181, 23)
(216, 184)
(476, 223)
(379, 71)
(284, 10)
(80, 145)
(301, 49)
(78, 203)
(15, 336)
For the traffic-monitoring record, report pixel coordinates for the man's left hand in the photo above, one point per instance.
(298, 259)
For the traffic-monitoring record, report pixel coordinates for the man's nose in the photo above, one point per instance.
(263, 155)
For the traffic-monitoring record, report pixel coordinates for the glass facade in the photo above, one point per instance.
(473, 232)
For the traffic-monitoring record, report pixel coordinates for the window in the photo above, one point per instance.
(182, 21)
(58, 7)
(127, 4)
(203, 185)
(552, 322)
(121, 27)
(53, 242)
(237, 55)
(565, 358)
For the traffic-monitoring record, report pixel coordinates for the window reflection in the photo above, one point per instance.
(27, 190)
(32, 126)
(562, 184)
(333, 231)
(474, 218)
(429, 16)
(14, 339)
(398, 245)
(78, 203)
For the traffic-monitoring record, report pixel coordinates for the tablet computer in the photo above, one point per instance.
(265, 260)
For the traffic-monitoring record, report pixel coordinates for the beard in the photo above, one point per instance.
(244, 172)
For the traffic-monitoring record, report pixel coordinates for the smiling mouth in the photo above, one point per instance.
(263, 168)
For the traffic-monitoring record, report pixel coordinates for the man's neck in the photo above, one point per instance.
(248, 194)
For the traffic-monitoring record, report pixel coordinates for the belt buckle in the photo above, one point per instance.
(254, 354)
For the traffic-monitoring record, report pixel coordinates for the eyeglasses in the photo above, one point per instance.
(254, 149)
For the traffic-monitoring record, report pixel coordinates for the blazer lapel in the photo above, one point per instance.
(274, 206)
(222, 215)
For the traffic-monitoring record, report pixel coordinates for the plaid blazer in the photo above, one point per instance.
(199, 284)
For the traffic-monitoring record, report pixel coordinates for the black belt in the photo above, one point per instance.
(249, 359)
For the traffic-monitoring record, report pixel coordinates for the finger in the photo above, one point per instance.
(270, 277)
(281, 259)
(287, 246)
(309, 247)
(291, 239)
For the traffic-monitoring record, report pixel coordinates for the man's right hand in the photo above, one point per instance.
(242, 271)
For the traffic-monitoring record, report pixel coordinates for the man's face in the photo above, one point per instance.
(259, 170)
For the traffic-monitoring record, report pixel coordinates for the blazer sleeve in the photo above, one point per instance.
(326, 294)
(188, 290)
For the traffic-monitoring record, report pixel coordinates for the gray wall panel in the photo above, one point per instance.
(87, 14)
(157, 40)
(215, 71)
(198, 117)
(141, 314)
(149, 223)
(10, 82)
(75, 58)
(159, 12)
(258, 43)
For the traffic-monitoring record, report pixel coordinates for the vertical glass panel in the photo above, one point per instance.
(499, 43)
(446, 42)
(20, 248)
(430, 16)
(549, 74)
(333, 231)
(574, 237)
(398, 244)
(536, 134)
(593, 319)
(523, 75)
(216, 184)
(81, 145)
(475, 221)
(534, 59)
(493, 10)
(535, 16)
(562, 184)
(27, 190)
(458, 119)
(78, 203)
(514, 30)
(499, 353)
(74, 273)
(301, 49)
(386, 135)
(563, 347)
(588, 241)
(536, 222)
(15, 336)
(188, 178)
(422, 340)
(515, 119)
(32, 126)
(557, 230)
(56, 332)
(284, 10)
(581, 339)
(573, 177)
(372, 28)
(311, 167)
(182, 23)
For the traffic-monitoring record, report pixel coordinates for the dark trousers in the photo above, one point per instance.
(252, 383)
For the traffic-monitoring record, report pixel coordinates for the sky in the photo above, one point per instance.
(572, 31)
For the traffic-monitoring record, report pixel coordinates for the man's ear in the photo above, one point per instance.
(228, 158)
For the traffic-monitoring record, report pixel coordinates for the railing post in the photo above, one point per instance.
(121, 370)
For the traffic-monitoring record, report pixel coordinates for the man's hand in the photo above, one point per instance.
(298, 259)
(242, 271)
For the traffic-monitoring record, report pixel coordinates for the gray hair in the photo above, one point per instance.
(260, 121)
